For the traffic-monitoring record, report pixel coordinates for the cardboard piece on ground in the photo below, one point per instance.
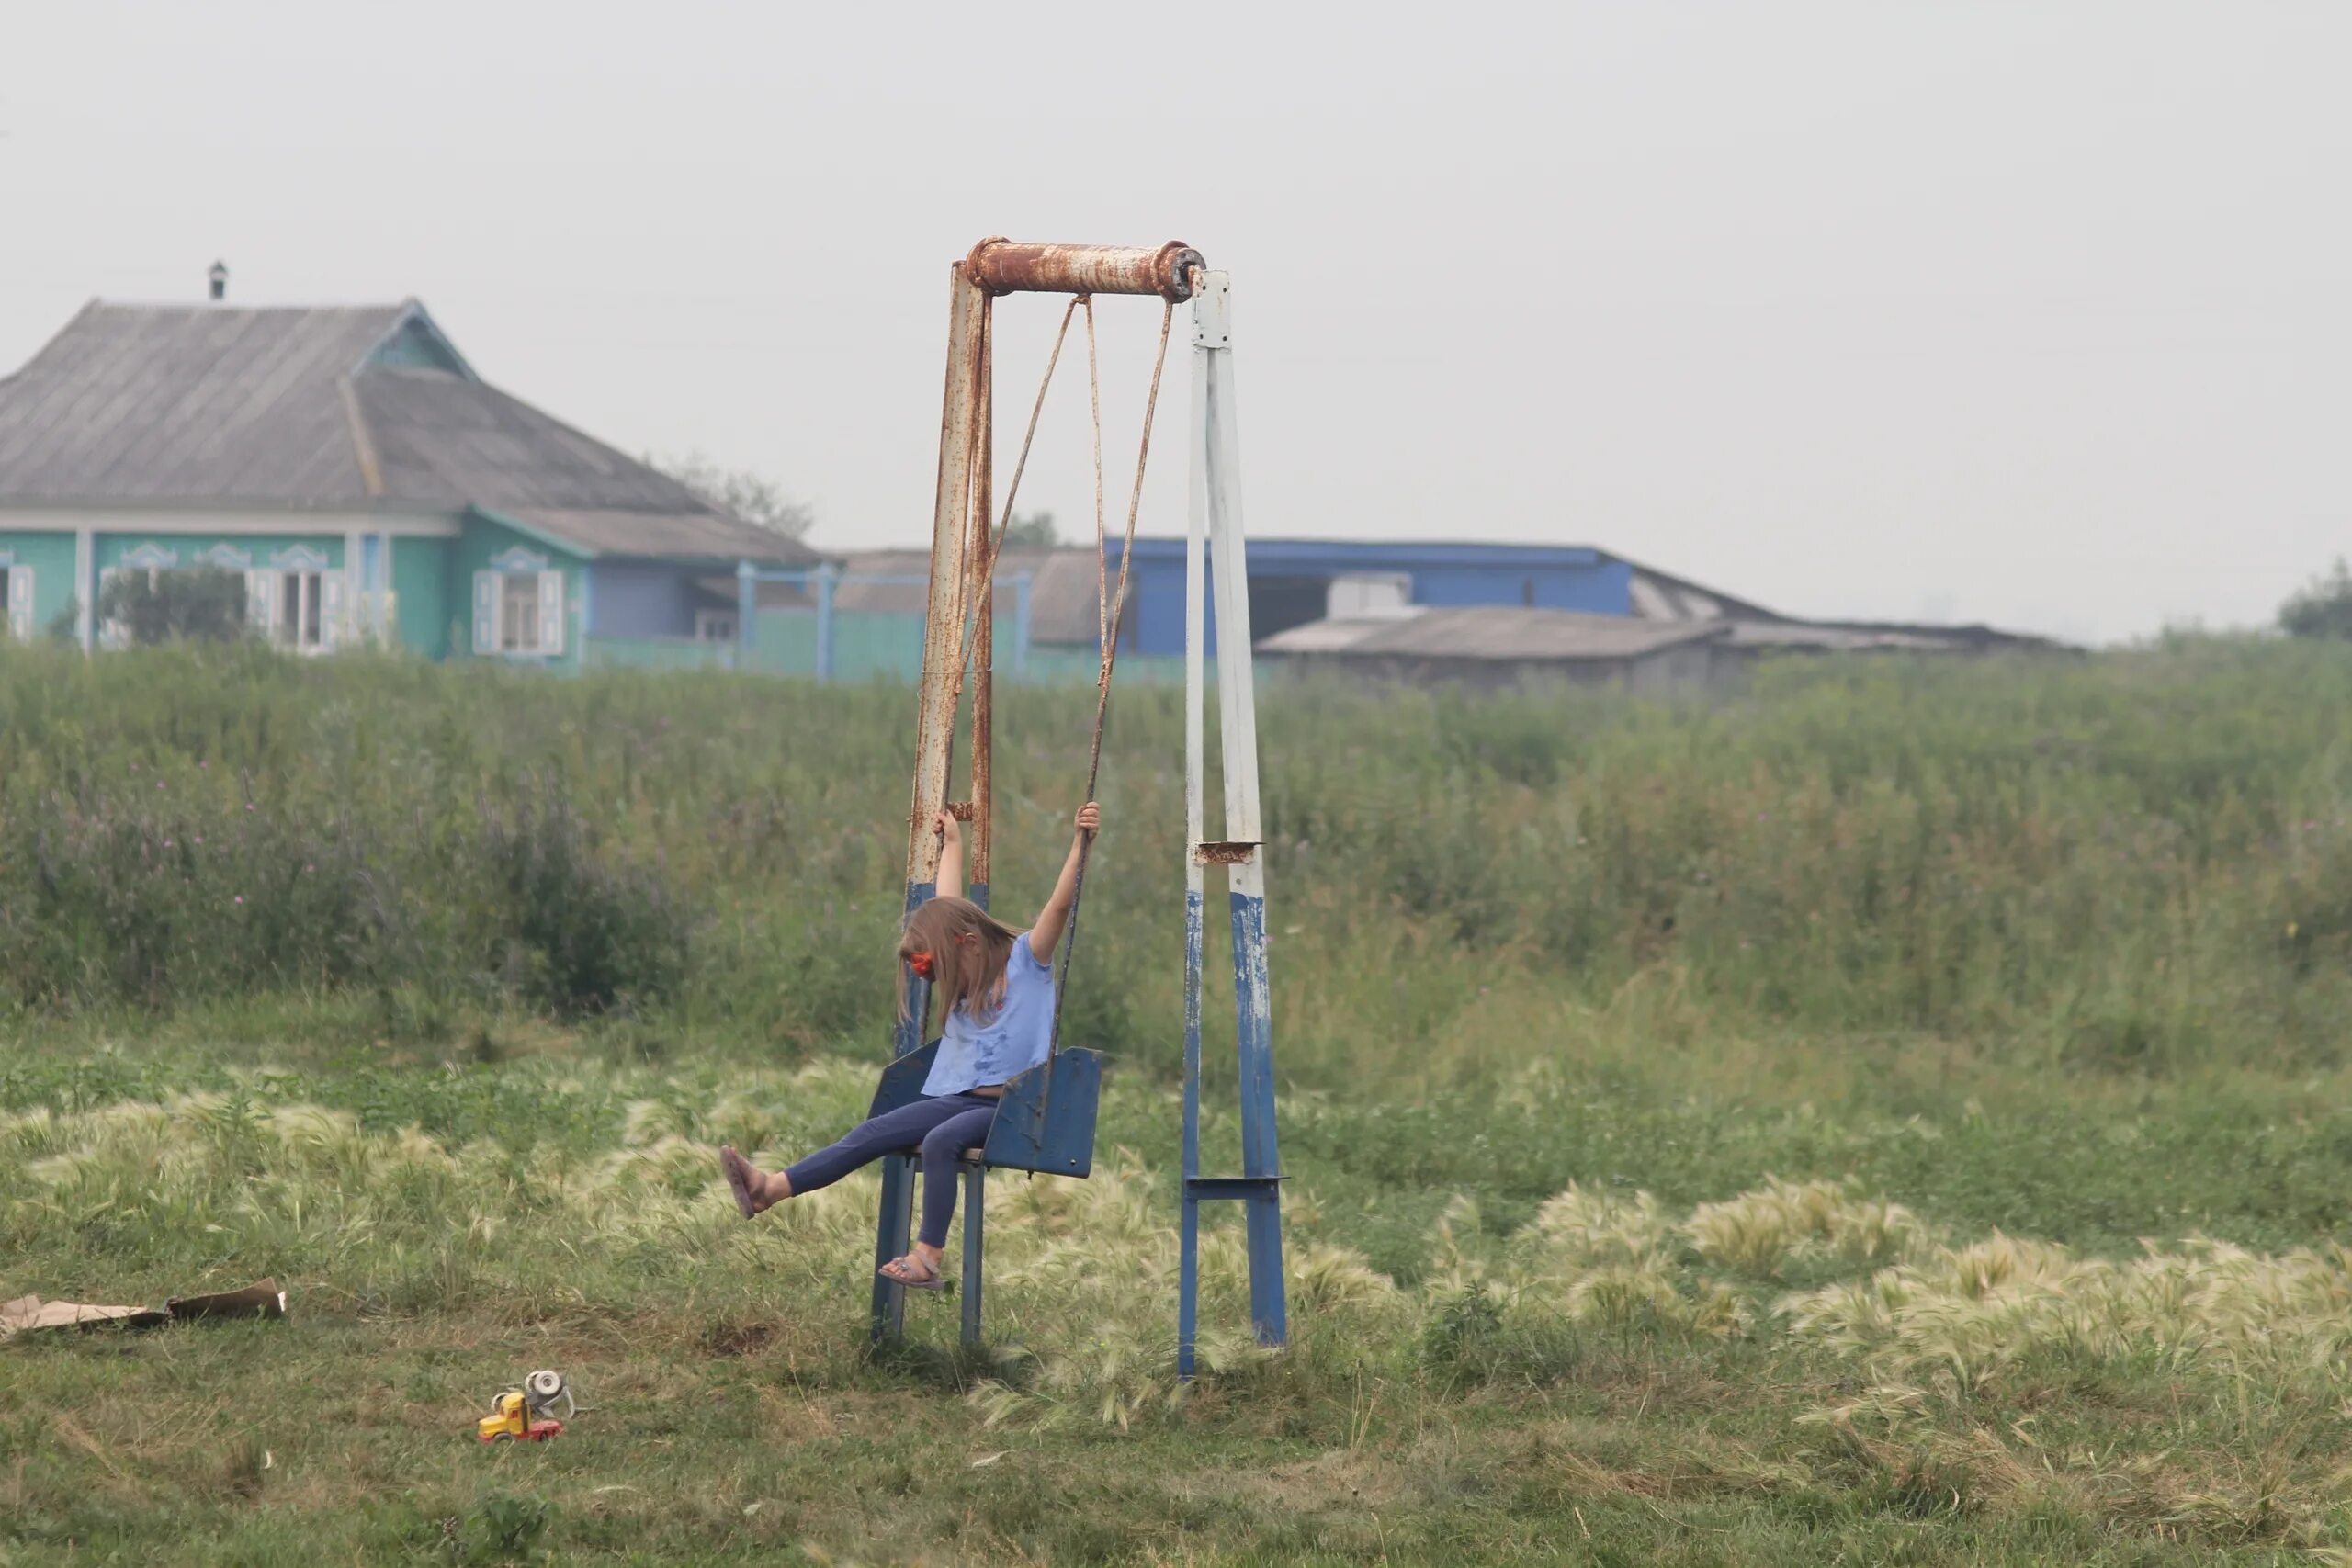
(30, 1312)
(263, 1300)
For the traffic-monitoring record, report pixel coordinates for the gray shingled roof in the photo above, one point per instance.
(129, 404)
(348, 407)
(685, 535)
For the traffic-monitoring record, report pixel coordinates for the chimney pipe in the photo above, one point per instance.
(220, 280)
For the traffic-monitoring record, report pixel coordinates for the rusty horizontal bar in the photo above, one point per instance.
(1005, 266)
(1230, 851)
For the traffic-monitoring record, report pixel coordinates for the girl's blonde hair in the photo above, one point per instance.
(968, 951)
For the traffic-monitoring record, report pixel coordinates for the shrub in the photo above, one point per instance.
(191, 603)
(2323, 607)
(582, 933)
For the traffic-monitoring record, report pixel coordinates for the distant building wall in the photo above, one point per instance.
(241, 551)
(49, 557)
(358, 550)
(1290, 582)
(491, 547)
(424, 609)
(637, 599)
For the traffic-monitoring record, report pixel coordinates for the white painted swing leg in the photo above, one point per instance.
(1216, 523)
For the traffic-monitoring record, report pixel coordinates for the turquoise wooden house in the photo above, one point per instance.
(364, 479)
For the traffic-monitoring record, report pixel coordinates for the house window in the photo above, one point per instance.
(17, 601)
(297, 607)
(1363, 595)
(518, 612)
(716, 626)
(298, 622)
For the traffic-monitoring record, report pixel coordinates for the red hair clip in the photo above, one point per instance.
(922, 964)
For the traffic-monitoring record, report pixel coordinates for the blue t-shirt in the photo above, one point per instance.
(1014, 1040)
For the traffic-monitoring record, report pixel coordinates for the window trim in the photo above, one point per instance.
(513, 606)
(315, 610)
(553, 604)
(20, 590)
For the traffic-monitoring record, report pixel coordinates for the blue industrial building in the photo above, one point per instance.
(1294, 581)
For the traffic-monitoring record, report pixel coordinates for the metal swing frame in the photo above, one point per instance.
(1047, 1116)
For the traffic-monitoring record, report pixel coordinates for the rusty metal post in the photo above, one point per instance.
(1005, 266)
(935, 728)
(983, 577)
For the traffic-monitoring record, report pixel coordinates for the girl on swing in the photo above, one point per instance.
(997, 987)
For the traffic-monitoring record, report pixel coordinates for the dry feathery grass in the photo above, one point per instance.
(1759, 1233)
(1959, 1316)
(1082, 1271)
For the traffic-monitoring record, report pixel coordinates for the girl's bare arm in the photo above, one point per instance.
(949, 882)
(1046, 934)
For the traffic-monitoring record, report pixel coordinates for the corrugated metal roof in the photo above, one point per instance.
(1277, 553)
(1663, 597)
(219, 405)
(1796, 635)
(723, 591)
(1063, 607)
(1491, 632)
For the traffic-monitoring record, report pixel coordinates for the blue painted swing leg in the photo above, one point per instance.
(1188, 1269)
(893, 1226)
(1259, 1187)
(976, 1202)
(1260, 1162)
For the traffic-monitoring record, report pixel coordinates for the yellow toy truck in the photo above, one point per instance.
(520, 1413)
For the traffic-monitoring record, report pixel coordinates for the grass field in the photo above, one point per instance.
(1895, 1116)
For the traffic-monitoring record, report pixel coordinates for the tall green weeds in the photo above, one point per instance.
(2141, 861)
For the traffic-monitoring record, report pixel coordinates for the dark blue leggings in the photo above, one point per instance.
(941, 1126)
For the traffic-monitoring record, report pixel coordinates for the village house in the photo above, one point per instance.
(363, 479)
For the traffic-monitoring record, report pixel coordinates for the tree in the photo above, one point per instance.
(2322, 607)
(1032, 530)
(194, 603)
(754, 498)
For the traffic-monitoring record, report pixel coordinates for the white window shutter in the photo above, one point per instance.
(330, 610)
(20, 602)
(258, 600)
(111, 634)
(551, 611)
(485, 612)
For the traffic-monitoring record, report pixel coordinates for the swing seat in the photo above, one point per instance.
(1045, 1122)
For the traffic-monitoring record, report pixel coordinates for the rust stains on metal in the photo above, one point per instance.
(1227, 852)
(1005, 266)
(962, 810)
(944, 614)
(981, 561)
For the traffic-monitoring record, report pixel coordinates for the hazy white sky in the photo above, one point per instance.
(2033, 312)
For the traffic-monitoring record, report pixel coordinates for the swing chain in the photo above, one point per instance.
(1112, 608)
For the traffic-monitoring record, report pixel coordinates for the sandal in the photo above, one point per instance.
(913, 1273)
(740, 1176)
